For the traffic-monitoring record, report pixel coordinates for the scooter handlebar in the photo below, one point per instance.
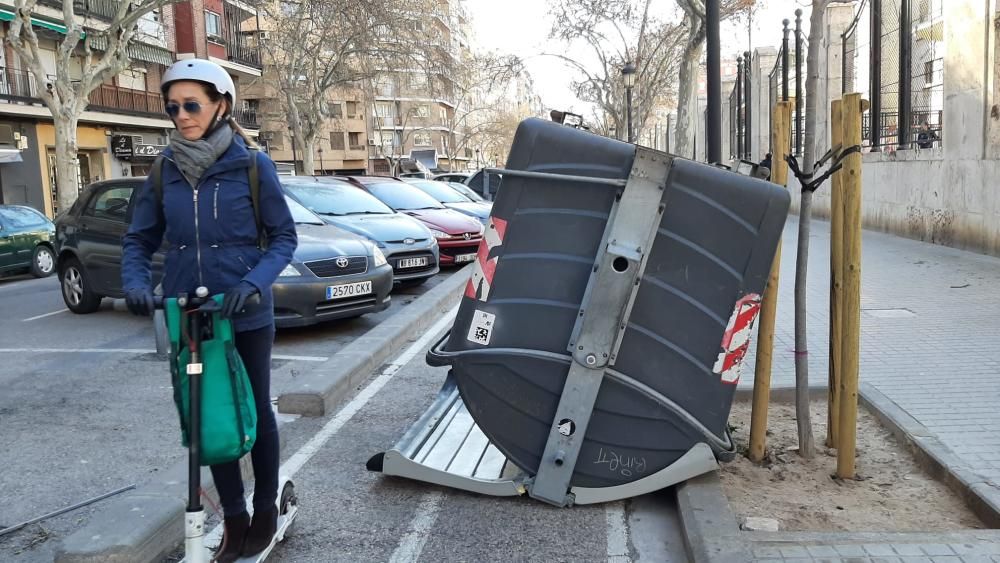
(120, 305)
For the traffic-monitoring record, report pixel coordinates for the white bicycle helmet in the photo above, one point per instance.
(203, 71)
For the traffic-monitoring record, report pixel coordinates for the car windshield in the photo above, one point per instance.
(400, 195)
(336, 199)
(466, 191)
(300, 214)
(439, 191)
(22, 217)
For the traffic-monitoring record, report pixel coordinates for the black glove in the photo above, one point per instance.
(236, 298)
(140, 301)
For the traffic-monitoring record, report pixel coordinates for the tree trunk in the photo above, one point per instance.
(687, 91)
(805, 216)
(308, 160)
(67, 161)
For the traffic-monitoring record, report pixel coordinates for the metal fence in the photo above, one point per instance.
(894, 54)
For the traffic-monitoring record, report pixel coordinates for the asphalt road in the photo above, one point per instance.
(86, 406)
(76, 423)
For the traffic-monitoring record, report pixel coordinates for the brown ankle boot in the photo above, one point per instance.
(261, 532)
(234, 532)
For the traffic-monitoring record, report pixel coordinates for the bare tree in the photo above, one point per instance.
(66, 94)
(316, 46)
(479, 85)
(616, 32)
(687, 88)
(816, 31)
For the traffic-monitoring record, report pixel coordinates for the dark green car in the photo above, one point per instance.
(26, 242)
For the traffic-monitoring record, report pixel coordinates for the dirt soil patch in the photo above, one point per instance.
(892, 493)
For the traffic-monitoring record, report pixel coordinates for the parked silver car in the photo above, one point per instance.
(451, 199)
(408, 245)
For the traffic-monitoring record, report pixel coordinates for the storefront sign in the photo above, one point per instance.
(121, 145)
(147, 151)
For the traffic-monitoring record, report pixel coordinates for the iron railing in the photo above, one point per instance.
(114, 98)
(240, 48)
(17, 85)
(246, 117)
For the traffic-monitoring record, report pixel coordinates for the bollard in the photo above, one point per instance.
(851, 298)
(780, 145)
(836, 278)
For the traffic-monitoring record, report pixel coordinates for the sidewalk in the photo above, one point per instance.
(930, 321)
(930, 325)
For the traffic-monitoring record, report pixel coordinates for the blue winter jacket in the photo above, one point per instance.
(211, 232)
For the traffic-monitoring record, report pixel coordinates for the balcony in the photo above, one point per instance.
(241, 47)
(247, 117)
(103, 9)
(115, 99)
(17, 85)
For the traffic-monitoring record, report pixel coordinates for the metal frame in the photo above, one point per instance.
(614, 282)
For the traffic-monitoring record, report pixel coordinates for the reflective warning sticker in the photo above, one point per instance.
(482, 274)
(736, 339)
(481, 327)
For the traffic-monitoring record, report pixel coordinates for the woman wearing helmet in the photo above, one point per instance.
(205, 212)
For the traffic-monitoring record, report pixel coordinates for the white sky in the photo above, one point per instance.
(521, 27)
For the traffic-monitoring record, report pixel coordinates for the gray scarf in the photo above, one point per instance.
(194, 157)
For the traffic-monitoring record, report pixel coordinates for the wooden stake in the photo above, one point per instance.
(781, 136)
(836, 278)
(851, 298)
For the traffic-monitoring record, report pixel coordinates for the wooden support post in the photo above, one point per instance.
(836, 278)
(781, 135)
(851, 298)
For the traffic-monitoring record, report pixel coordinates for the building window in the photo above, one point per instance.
(418, 81)
(422, 138)
(336, 110)
(354, 140)
(420, 111)
(213, 26)
(337, 140)
(352, 109)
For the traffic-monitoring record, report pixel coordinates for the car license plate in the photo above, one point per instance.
(413, 262)
(348, 290)
(464, 258)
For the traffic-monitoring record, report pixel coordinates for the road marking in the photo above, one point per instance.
(35, 318)
(135, 351)
(310, 448)
(618, 552)
(420, 527)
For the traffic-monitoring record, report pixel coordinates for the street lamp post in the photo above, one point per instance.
(322, 167)
(628, 77)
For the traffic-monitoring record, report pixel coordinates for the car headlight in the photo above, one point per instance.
(439, 234)
(379, 257)
(290, 271)
(482, 227)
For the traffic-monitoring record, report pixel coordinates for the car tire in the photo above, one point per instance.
(43, 262)
(75, 286)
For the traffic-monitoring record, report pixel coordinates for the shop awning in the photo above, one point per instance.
(10, 155)
(137, 51)
(7, 15)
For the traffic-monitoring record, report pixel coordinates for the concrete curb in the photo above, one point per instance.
(934, 456)
(708, 525)
(322, 388)
(147, 524)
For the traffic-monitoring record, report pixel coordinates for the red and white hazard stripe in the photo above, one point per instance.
(736, 339)
(482, 274)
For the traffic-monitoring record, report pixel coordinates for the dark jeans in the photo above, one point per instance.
(254, 347)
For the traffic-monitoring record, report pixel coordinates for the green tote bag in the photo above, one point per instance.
(228, 413)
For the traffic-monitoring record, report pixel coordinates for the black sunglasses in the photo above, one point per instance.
(190, 107)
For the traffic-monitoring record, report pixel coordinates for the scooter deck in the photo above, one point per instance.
(284, 522)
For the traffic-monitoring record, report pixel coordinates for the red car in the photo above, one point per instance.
(457, 234)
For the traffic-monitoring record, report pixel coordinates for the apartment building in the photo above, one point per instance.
(414, 112)
(123, 128)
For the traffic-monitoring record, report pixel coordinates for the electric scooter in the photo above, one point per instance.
(199, 317)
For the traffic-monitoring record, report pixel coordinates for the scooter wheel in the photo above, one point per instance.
(288, 499)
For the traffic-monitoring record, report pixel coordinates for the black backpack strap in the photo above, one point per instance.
(156, 176)
(254, 178)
